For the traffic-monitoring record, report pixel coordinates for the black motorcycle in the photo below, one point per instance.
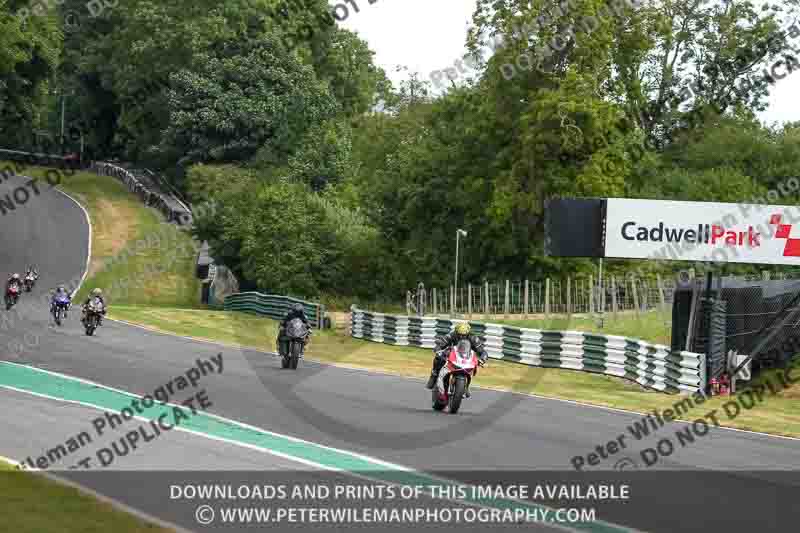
(29, 282)
(297, 334)
(93, 313)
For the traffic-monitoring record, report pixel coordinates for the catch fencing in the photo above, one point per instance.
(653, 366)
(586, 295)
(739, 315)
(273, 306)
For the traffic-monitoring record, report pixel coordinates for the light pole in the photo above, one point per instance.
(459, 233)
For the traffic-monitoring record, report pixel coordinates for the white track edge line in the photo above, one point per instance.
(363, 457)
(282, 455)
(179, 428)
(89, 243)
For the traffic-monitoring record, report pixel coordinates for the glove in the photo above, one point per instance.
(482, 360)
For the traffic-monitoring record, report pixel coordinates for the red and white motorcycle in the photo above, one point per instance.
(455, 376)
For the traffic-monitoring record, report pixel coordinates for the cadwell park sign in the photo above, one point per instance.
(683, 231)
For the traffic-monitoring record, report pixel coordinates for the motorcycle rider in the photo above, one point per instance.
(32, 272)
(461, 332)
(98, 294)
(60, 292)
(13, 280)
(297, 311)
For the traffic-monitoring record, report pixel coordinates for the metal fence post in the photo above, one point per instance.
(505, 301)
(591, 294)
(469, 300)
(635, 295)
(527, 298)
(614, 296)
(661, 293)
(569, 296)
(486, 301)
(435, 310)
(547, 297)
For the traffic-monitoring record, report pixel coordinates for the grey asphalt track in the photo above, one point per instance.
(374, 414)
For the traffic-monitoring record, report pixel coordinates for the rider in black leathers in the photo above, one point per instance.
(95, 293)
(461, 331)
(297, 311)
(14, 280)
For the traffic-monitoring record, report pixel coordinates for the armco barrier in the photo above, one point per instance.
(650, 365)
(174, 210)
(273, 306)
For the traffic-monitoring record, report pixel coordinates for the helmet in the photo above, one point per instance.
(60, 288)
(463, 328)
(97, 292)
(15, 276)
(297, 308)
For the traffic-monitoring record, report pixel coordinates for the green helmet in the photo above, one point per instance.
(97, 292)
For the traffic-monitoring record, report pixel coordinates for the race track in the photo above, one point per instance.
(374, 415)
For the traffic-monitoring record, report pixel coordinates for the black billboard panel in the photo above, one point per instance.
(574, 227)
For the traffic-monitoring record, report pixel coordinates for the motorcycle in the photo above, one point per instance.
(297, 333)
(12, 295)
(60, 308)
(93, 312)
(29, 282)
(461, 367)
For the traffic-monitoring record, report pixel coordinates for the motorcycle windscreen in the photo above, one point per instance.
(295, 328)
(464, 348)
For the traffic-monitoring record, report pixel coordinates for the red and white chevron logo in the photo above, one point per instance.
(792, 248)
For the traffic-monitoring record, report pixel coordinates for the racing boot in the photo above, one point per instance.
(438, 362)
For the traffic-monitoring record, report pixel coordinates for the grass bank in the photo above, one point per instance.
(777, 414)
(32, 503)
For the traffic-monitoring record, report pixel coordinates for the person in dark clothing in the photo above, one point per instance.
(297, 311)
(461, 332)
(96, 293)
(13, 280)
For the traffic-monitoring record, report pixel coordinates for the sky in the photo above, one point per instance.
(429, 35)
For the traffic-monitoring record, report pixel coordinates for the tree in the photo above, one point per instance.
(29, 58)
(248, 101)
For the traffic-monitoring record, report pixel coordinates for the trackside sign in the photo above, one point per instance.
(702, 231)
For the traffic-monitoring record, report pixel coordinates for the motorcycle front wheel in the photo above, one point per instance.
(459, 387)
(296, 348)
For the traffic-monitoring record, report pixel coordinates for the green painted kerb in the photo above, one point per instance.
(65, 388)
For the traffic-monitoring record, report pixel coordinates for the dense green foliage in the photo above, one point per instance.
(332, 180)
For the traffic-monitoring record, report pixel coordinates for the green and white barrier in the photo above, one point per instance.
(651, 365)
(273, 306)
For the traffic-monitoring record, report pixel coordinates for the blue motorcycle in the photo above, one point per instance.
(59, 308)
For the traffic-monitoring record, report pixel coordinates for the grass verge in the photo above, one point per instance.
(32, 503)
(778, 414)
(652, 326)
